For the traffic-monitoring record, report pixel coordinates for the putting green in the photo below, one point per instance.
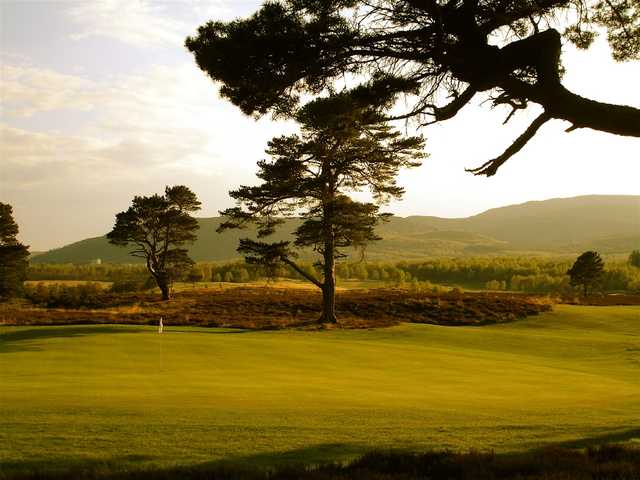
(127, 396)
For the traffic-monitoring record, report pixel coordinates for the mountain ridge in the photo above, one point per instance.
(559, 225)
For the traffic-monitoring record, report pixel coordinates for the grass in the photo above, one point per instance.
(127, 397)
(605, 462)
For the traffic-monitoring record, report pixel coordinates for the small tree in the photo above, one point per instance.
(586, 271)
(158, 226)
(13, 255)
(634, 258)
(344, 146)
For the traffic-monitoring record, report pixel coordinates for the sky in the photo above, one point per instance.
(100, 101)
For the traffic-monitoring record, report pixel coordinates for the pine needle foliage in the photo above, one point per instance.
(13, 255)
(158, 226)
(344, 146)
(586, 271)
(449, 53)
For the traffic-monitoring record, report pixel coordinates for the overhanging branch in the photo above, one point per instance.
(491, 167)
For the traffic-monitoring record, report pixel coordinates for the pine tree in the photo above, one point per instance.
(158, 226)
(13, 255)
(344, 146)
(586, 271)
(449, 53)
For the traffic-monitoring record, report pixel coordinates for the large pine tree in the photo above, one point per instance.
(344, 146)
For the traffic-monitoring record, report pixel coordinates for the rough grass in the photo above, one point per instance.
(278, 307)
(125, 397)
(607, 462)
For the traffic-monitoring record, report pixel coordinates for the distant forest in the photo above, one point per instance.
(524, 274)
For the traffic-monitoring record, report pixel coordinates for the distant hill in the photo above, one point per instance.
(610, 224)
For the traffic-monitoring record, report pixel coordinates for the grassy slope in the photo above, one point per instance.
(129, 395)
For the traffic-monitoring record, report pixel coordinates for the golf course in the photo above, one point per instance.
(125, 397)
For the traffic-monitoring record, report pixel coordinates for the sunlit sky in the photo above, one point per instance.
(99, 101)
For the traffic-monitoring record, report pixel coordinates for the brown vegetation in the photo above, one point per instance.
(616, 299)
(271, 307)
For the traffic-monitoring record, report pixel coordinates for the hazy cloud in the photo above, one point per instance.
(143, 23)
(142, 131)
(27, 90)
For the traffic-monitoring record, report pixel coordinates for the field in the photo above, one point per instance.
(101, 396)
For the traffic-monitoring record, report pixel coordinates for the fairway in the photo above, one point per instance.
(127, 395)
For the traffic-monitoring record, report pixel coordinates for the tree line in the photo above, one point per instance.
(525, 274)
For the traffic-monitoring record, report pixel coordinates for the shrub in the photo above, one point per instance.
(127, 286)
(88, 295)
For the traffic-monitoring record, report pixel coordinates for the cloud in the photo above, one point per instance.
(42, 159)
(143, 23)
(134, 22)
(27, 90)
(160, 115)
(138, 133)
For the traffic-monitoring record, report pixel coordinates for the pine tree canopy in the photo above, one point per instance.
(587, 270)
(443, 53)
(157, 227)
(344, 146)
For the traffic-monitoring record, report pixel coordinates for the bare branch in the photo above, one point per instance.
(491, 167)
(450, 110)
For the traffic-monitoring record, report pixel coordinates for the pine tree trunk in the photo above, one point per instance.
(329, 288)
(164, 287)
(329, 253)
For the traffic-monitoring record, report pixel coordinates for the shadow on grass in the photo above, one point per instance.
(133, 466)
(311, 456)
(25, 339)
(607, 438)
(207, 330)
(130, 467)
(355, 462)
(63, 467)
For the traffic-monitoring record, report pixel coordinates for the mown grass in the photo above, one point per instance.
(124, 397)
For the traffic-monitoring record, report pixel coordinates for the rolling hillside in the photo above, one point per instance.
(610, 224)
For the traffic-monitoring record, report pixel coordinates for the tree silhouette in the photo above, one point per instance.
(445, 51)
(343, 147)
(13, 255)
(158, 226)
(586, 271)
(634, 258)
